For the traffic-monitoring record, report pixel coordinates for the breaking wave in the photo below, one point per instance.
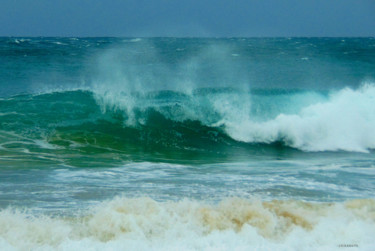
(204, 119)
(240, 224)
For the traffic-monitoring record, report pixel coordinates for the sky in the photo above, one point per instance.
(188, 18)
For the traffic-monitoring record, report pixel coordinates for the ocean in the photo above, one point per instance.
(187, 143)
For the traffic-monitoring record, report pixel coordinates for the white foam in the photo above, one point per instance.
(44, 144)
(345, 122)
(59, 43)
(9, 113)
(134, 40)
(233, 224)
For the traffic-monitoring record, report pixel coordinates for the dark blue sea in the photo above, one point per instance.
(187, 143)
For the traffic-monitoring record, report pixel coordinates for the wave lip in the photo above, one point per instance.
(144, 224)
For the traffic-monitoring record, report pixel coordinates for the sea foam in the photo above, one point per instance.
(233, 224)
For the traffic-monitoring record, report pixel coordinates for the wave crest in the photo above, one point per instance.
(345, 121)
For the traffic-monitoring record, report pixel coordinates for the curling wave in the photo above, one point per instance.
(204, 120)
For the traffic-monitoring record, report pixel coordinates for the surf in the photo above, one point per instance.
(143, 223)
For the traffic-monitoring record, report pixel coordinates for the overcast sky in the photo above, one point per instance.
(220, 18)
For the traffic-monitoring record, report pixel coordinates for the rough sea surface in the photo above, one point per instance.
(187, 143)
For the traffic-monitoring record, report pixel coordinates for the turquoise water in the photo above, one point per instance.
(245, 143)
